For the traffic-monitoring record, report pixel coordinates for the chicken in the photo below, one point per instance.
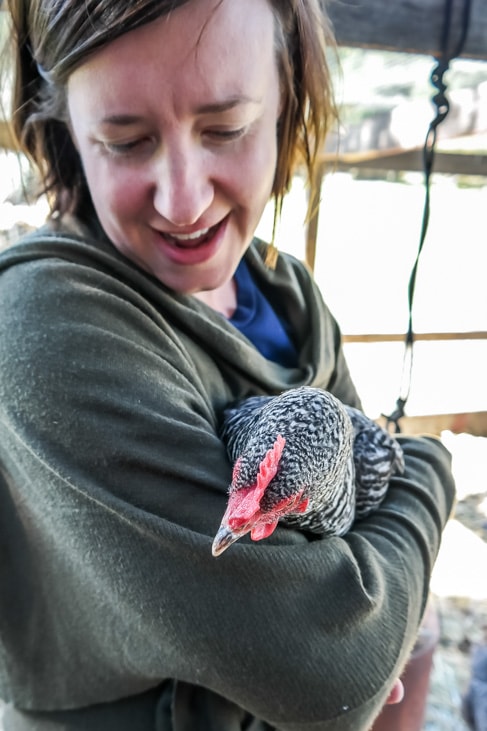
(305, 459)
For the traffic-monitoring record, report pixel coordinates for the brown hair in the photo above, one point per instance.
(53, 37)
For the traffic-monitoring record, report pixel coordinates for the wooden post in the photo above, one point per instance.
(314, 203)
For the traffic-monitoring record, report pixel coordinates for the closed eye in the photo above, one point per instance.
(131, 147)
(226, 135)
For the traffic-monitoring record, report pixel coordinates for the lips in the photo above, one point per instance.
(193, 239)
(192, 248)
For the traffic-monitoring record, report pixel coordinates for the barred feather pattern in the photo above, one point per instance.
(377, 457)
(340, 458)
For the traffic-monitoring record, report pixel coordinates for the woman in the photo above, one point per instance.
(129, 322)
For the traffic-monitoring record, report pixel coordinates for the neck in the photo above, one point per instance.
(222, 299)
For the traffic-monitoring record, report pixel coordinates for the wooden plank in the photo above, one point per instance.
(474, 423)
(450, 163)
(398, 337)
(413, 26)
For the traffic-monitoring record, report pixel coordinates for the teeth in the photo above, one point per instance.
(190, 237)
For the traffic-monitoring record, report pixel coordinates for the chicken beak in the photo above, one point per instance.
(224, 538)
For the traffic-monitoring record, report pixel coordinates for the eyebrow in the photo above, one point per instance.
(212, 108)
(227, 104)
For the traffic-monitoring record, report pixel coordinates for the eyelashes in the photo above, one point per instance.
(146, 144)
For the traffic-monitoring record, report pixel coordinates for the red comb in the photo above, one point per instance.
(246, 503)
(270, 463)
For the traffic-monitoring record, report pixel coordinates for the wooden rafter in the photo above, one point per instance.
(412, 26)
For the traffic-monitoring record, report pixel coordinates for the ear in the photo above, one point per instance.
(263, 530)
(292, 504)
(302, 506)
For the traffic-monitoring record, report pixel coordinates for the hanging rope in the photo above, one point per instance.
(442, 105)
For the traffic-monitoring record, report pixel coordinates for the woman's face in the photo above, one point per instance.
(176, 124)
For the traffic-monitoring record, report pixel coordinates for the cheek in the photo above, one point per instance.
(254, 174)
(116, 196)
(267, 153)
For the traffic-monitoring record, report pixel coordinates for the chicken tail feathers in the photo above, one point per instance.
(377, 457)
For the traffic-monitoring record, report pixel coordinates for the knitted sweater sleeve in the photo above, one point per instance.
(113, 482)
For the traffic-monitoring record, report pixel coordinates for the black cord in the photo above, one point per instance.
(442, 105)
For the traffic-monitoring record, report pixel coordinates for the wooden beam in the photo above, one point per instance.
(412, 26)
(474, 423)
(398, 337)
(451, 163)
(314, 203)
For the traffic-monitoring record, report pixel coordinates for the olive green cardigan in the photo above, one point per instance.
(114, 615)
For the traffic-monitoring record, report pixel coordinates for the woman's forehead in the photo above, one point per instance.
(218, 49)
(218, 27)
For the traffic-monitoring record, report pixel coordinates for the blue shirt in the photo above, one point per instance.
(257, 320)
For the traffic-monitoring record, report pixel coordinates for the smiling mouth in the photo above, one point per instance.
(192, 240)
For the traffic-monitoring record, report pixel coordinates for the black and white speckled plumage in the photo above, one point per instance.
(341, 458)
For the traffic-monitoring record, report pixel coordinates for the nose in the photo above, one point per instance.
(184, 188)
